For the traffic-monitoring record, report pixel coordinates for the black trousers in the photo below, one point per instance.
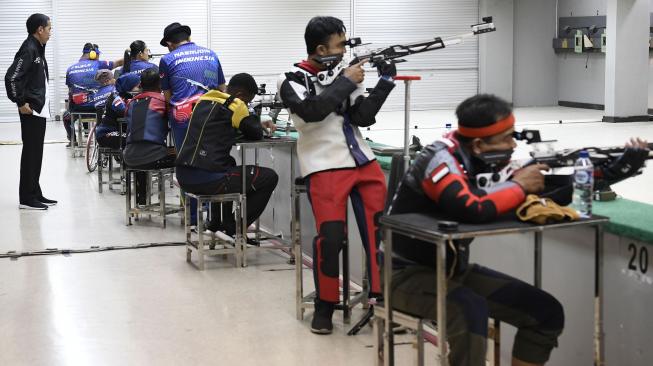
(113, 140)
(473, 297)
(32, 130)
(260, 183)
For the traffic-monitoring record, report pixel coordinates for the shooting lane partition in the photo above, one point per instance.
(568, 271)
(628, 282)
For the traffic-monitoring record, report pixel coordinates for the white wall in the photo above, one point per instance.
(144, 20)
(581, 78)
(650, 78)
(13, 32)
(260, 37)
(449, 75)
(496, 50)
(577, 8)
(576, 82)
(535, 68)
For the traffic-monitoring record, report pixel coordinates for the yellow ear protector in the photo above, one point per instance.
(93, 52)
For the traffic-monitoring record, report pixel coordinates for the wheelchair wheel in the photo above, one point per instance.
(91, 151)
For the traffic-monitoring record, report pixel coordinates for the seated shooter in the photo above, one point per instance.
(89, 84)
(147, 131)
(137, 59)
(80, 78)
(204, 164)
(442, 180)
(107, 132)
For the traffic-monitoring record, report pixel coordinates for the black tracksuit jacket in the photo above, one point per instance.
(25, 80)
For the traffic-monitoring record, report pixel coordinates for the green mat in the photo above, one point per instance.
(627, 218)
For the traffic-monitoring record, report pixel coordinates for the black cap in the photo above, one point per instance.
(173, 29)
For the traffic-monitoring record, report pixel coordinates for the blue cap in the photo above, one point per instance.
(584, 154)
(127, 82)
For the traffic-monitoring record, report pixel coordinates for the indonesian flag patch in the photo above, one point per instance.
(438, 173)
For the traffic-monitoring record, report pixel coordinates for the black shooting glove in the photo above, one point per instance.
(627, 165)
(386, 68)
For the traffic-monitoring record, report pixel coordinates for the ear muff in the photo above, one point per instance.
(92, 55)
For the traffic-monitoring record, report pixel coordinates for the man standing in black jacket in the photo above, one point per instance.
(27, 86)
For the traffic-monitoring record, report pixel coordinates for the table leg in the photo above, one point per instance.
(200, 234)
(388, 339)
(346, 300)
(441, 294)
(537, 270)
(186, 200)
(243, 208)
(599, 349)
(257, 229)
(420, 343)
(293, 212)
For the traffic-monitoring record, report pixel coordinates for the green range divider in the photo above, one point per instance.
(628, 218)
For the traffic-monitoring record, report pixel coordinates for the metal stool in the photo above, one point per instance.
(200, 245)
(109, 153)
(420, 326)
(160, 208)
(302, 301)
(77, 141)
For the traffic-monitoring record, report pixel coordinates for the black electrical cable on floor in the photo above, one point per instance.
(13, 254)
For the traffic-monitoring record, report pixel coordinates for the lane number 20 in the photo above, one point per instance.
(638, 258)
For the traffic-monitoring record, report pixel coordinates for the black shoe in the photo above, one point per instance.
(253, 242)
(398, 328)
(213, 226)
(68, 144)
(34, 205)
(322, 323)
(46, 201)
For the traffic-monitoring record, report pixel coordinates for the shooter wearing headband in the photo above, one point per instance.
(442, 180)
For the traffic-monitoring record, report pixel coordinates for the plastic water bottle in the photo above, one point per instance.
(583, 184)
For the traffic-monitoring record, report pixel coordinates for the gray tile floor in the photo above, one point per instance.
(148, 306)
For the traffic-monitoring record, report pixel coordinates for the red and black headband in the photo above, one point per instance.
(489, 130)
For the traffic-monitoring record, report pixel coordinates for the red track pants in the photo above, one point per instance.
(328, 192)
